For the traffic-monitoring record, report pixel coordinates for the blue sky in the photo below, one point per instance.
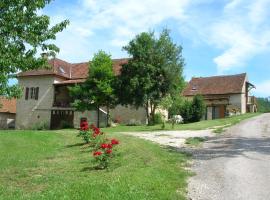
(217, 36)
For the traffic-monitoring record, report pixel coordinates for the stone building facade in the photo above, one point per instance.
(223, 95)
(46, 102)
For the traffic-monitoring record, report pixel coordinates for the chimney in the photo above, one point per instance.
(44, 55)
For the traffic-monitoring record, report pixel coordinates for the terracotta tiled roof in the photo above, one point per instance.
(7, 105)
(71, 71)
(232, 84)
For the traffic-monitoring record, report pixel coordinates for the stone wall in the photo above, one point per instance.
(126, 115)
(31, 112)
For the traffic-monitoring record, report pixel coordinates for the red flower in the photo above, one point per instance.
(109, 151)
(104, 146)
(114, 142)
(97, 153)
(109, 146)
(84, 126)
(92, 126)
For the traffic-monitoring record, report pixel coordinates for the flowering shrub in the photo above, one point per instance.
(104, 153)
(103, 148)
(84, 131)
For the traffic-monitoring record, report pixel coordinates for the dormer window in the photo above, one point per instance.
(194, 87)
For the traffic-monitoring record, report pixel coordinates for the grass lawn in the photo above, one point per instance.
(55, 165)
(194, 141)
(192, 126)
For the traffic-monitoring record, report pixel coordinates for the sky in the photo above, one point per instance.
(219, 37)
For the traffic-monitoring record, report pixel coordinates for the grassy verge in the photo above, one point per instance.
(195, 141)
(192, 126)
(56, 165)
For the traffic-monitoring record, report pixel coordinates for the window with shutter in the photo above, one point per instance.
(31, 93)
(36, 93)
(26, 93)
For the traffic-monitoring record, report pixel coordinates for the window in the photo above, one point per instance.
(33, 91)
(194, 87)
(26, 93)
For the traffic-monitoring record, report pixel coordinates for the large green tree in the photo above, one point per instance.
(97, 91)
(153, 72)
(263, 104)
(23, 33)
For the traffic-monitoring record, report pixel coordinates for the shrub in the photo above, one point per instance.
(134, 122)
(186, 111)
(193, 111)
(158, 118)
(105, 152)
(102, 147)
(41, 126)
(198, 108)
(65, 124)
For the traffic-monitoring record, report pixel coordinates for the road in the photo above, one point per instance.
(235, 165)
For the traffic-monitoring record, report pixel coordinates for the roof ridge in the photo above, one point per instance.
(113, 59)
(221, 76)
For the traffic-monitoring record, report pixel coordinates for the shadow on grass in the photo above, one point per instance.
(92, 168)
(75, 145)
(182, 150)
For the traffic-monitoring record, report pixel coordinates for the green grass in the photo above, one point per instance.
(192, 126)
(55, 165)
(195, 141)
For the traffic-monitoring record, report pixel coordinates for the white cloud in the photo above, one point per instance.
(239, 29)
(263, 89)
(125, 18)
(106, 24)
(241, 32)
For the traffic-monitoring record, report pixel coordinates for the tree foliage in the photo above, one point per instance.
(263, 104)
(198, 108)
(192, 111)
(97, 90)
(23, 33)
(153, 72)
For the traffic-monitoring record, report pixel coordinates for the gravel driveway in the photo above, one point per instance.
(172, 138)
(236, 165)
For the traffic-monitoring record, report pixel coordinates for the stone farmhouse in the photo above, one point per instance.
(46, 100)
(7, 113)
(223, 95)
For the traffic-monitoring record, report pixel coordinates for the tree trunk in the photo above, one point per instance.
(98, 116)
(147, 113)
(152, 114)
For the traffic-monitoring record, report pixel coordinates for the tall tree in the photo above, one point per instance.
(97, 91)
(263, 104)
(153, 72)
(24, 32)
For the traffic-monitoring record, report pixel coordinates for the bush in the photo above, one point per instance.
(198, 108)
(134, 122)
(65, 124)
(158, 118)
(101, 146)
(41, 126)
(176, 106)
(186, 111)
(193, 111)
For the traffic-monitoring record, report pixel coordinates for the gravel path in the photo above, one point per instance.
(236, 165)
(172, 138)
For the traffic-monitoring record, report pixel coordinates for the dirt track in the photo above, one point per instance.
(236, 165)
